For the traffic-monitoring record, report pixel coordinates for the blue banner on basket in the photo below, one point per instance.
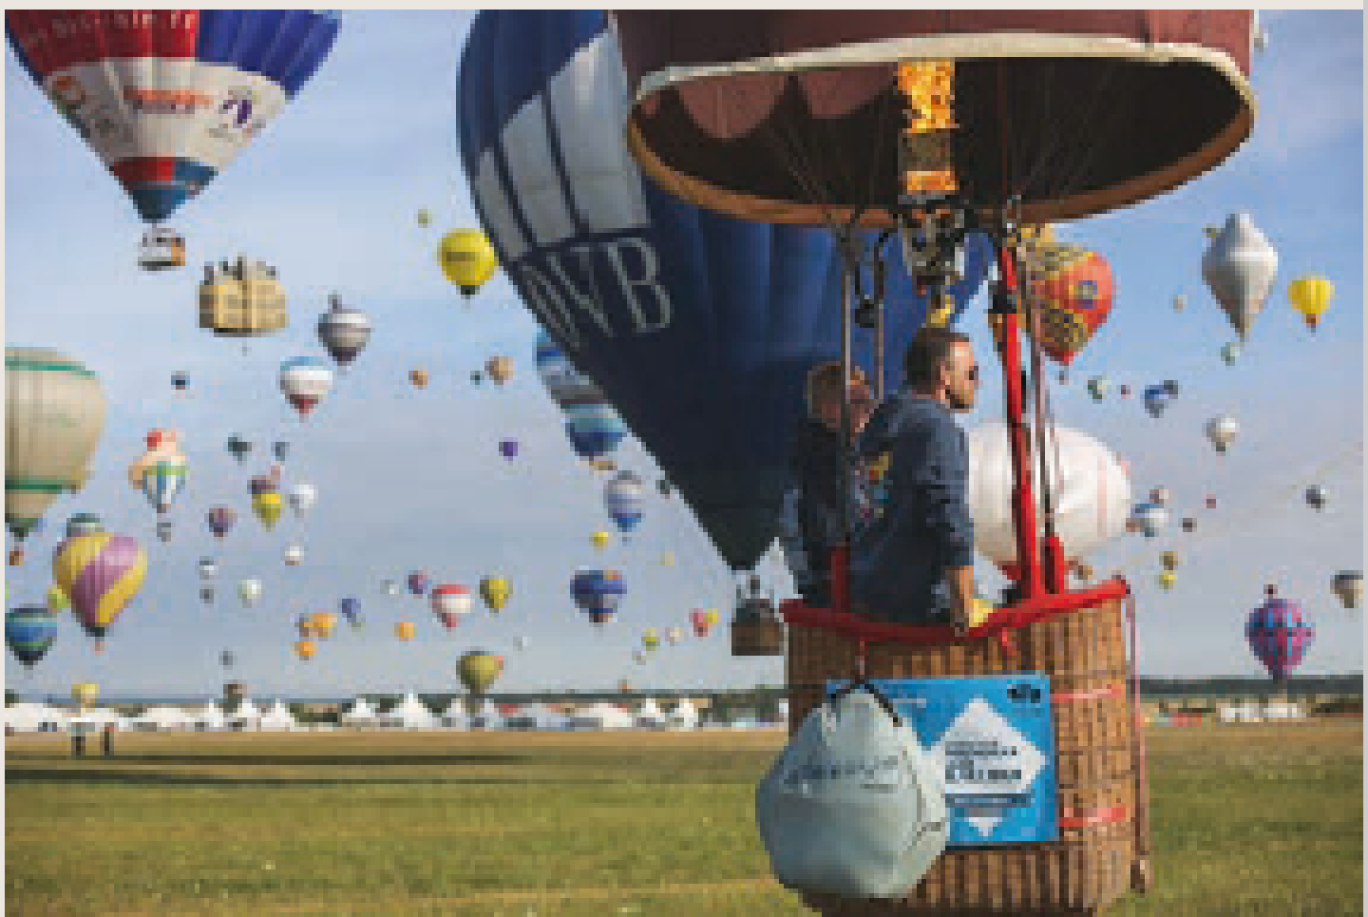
(995, 737)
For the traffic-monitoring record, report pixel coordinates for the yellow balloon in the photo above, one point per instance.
(84, 694)
(712, 616)
(424, 217)
(1310, 295)
(495, 590)
(322, 623)
(419, 377)
(602, 539)
(57, 599)
(667, 559)
(404, 630)
(1166, 579)
(305, 649)
(467, 259)
(268, 508)
(500, 369)
(478, 670)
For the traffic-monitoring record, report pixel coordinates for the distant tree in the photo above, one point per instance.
(11, 697)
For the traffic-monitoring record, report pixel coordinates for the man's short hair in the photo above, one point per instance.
(927, 353)
(824, 383)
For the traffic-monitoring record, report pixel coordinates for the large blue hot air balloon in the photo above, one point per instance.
(597, 593)
(29, 632)
(699, 328)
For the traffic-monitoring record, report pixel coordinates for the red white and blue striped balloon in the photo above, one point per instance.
(1279, 635)
(162, 481)
(167, 98)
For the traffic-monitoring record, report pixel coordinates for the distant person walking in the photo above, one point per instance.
(107, 740)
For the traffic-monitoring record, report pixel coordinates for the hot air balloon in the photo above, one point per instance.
(1310, 295)
(1230, 353)
(162, 480)
(1239, 268)
(100, 575)
(227, 659)
(1279, 635)
(639, 657)
(597, 593)
(29, 633)
(221, 519)
(249, 590)
(84, 524)
(500, 369)
(389, 587)
(1210, 503)
(305, 649)
(180, 381)
(667, 558)
(450, 603)
(56, 600)
(85, 694)
(1091, 492)
(418, 582)
(305, 380)
(168, 98)
(1148, 518)
(495, 591)
(302, 497)
(1083, 571)
(323, 623)
(1179, 302)
(1222, 431)
(267, 507)
(294, 555)
(1097, 387)
(304, 627)
(1189, 524)
(343, 331)
(602, 539)
(476, 377)
(54, 415)
(1157, 399)
(623, 496)
(164, 530)
(1167, 579)
(669, 279)
(701, 622)
(351, 610)
(650, 638)
(242, 299)
(419, 377)
(206, 595)
(508, 448)
(1159, 496)
(424, 217)
(280, 449)
(1169, 559)
(1073, 288)
(593, 427)
(467, 259)
(239, 447)
(404, 630)
(1348, 585)
(1316, 497)
(478, 670)
(521, 643)
(674, 635)
(711, 616)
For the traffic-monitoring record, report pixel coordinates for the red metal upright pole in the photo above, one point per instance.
(1023, 498)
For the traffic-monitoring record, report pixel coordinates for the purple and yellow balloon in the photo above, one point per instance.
(99, 574)
(508, 448)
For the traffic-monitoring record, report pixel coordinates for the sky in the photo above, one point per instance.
(412, 479)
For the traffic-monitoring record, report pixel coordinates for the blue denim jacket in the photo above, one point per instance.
(899, 558)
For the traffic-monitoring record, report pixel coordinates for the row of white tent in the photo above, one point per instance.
(1254, 713)
(409, 713)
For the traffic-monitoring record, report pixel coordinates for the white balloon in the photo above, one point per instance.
(301, 498)
(293, 555)
(1089, 487)
(249, 590)
(1222, 430)
(1239, 268)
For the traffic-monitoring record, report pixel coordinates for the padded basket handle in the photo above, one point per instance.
(878, 695)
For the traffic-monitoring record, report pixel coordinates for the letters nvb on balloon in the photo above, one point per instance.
(698, 328)
(167, 98)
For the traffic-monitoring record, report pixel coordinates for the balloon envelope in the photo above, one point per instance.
(624, 496)
(1239, 268)
(1279, 635)
(467, 259)
(698, 328)
(495, 591)
(343, 331)
(305, 380)
(478, 670)
(29, 632)
(1348, 586)
(100, 575)
(597, 593)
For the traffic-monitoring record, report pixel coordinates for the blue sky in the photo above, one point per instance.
(412, 479)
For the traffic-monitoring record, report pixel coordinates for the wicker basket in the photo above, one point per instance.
(757, 638)
(1090, 866)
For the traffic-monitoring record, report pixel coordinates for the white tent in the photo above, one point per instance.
(783, 712)
(160, 719)
(683, 716)
(649, 715)
(360, 713)
(245, 715)
(534, 716)
(454, 716)
(278, 717)
(209, 717)
(35, 718)
(103, 716)
(409, 713)
(600, 716)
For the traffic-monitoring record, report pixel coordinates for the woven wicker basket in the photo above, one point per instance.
(1084, 654)
(757, 638)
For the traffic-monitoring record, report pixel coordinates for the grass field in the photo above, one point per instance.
(1258, 820)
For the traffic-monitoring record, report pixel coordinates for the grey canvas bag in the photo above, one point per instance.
(853, 806)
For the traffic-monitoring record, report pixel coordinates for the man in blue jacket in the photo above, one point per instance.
(914, 562)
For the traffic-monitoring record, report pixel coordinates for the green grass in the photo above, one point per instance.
(1247, 820)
